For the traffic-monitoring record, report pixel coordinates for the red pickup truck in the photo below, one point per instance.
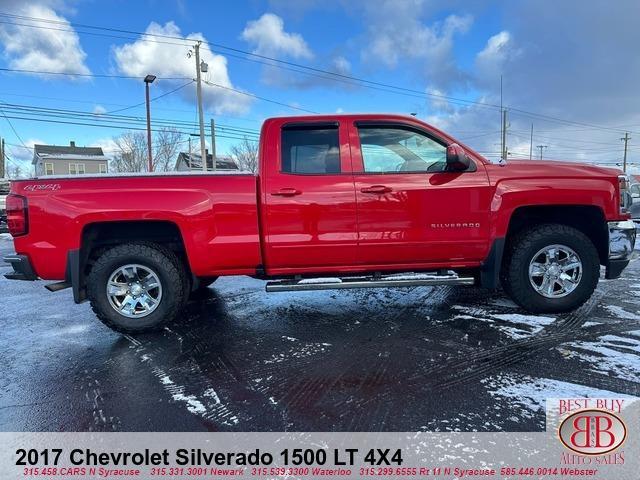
(341, 201)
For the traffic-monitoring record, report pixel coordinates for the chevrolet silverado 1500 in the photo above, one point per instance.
(340, 201)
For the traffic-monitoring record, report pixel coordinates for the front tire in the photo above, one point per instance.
(137, 287)
(550, 268)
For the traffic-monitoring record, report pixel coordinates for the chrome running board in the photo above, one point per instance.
(376, 281)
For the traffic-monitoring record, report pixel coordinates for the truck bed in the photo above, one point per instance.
(216, 214)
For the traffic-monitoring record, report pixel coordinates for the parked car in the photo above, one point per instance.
(635, 196)
(340, 201)
(4, 191)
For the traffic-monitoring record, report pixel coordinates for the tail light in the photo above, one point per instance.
(17, 217)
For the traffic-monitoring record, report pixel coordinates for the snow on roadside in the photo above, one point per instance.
(620, 312)
(532, 393)
(515, 325)
(5, 236)
(611, 356)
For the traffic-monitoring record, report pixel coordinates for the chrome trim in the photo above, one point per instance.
(624, 184)
(555, 271)
(134, 290)
(403, 280)
(622, 239)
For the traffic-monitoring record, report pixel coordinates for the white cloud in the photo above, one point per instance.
(341, 65)
(396, 33)
(168, 60)
(43, 49)
(499, 50)
(99, 110)
(108, 145)
(268, 38)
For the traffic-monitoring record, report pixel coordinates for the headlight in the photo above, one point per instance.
(626, 200)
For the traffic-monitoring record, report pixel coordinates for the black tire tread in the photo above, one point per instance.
(175, 274)
(517, 253)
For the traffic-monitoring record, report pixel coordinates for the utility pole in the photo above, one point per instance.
(203, 152)
(213, 143)
(625, 139)
(541, 147)
(2, 166)
(147, 81)
(531, 144)
(503, 154)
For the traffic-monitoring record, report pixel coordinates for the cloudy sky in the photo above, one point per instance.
(569, 67)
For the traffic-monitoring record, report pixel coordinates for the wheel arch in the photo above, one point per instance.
(589, 219)
(97, 236)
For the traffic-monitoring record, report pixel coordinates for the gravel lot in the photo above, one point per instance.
(441, 359)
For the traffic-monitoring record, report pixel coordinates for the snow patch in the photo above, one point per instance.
(532, 393)
(211, 393)
(608, 357)
(621, 312)
(312, 281)
(193, 404)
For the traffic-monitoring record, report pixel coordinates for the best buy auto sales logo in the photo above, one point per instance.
(592, 431)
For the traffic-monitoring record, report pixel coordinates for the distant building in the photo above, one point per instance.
(68, 160)
(193, 161)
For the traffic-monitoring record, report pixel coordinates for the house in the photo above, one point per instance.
(193, 161)
(68, 160)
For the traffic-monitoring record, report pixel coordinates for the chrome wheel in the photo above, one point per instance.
(555, 271)
(134, 290)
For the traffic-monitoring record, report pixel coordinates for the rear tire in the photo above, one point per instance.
(536, 271)
(133, 303)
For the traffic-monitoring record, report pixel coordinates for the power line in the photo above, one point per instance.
(258, 97)
(327, 74)
(12, 127)
(79, 74)
(23, 109)
(119, 127)
(154, 98)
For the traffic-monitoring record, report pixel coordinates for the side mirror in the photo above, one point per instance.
(457, 159)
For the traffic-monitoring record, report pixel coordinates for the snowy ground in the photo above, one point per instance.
(440, 359)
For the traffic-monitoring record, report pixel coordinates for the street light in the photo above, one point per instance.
(147, 80)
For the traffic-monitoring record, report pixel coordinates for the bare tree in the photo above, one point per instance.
(245, 154)
(14, 172)
(132, 152)
(166, 149)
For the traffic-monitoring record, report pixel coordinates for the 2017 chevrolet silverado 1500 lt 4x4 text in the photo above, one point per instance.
(341, 201)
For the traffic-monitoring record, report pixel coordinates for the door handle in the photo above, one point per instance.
(286, 192)
(376, 189)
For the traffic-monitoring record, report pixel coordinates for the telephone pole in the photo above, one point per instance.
(203, 152)
(213, 143)
(147, 81)
(503, 154)
(541, 147)
(625, 139)
(2, 166)
(531, 144)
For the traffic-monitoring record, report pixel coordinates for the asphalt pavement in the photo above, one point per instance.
(428, 358)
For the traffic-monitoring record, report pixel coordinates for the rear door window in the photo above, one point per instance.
(312, 150)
